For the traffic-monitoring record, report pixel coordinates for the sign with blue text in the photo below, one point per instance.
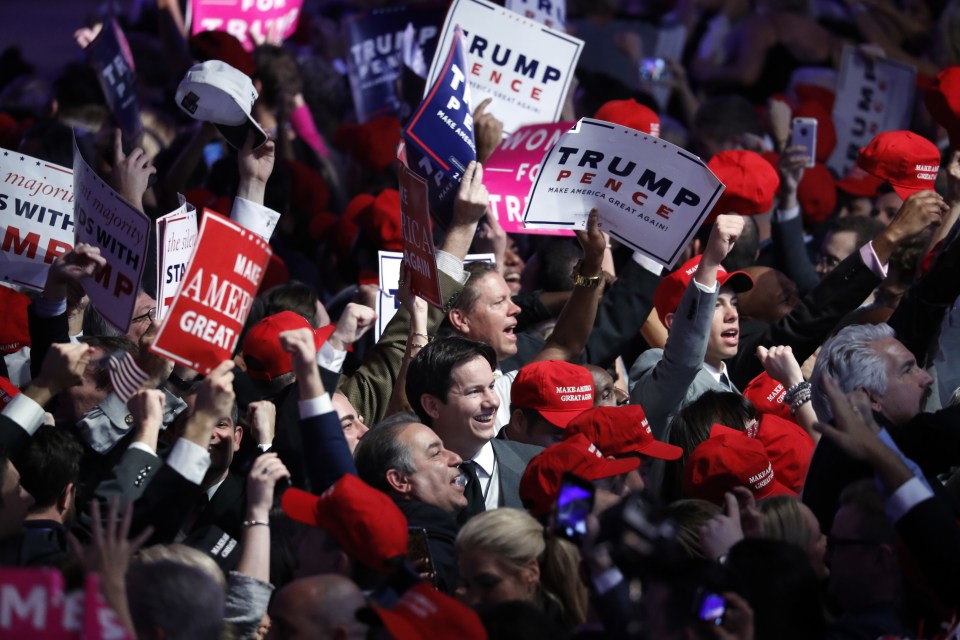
(523, 65)
(651, 195)
(111, 58)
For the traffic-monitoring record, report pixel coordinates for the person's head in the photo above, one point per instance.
(886, 206)
(513, 265)
(144, 316)
(786, 518)
(725, 327)
(268, 365)
(505, 555)
(777, 581)
(182, 554)
(485, 311)
(49, 470)
(870, 358)
(689, 516)
(319, 607)
(224, 440)
(15, 502)
(541, 481)
(723, 123)
(351, 421)
(861, 550)
(773, 295)
(450, 385)
(407, 460)
(845, 236)
(297, 297)
(73, 402)
(276, 75)
(604, 391)
(154, 590)
(670, 603)
(544, 397)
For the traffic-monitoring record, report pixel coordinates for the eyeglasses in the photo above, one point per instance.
(146, 317)
(834, 543)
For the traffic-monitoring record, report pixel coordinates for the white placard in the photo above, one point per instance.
(873, 95)
(524, 66)
(176, 235)
(552, 13)
(651, 195)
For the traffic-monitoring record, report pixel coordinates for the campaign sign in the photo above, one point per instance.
(650, 194)
(524, 66)
(513, 167)
(110, 56)
(873, 95)
(249, 21)
(204, 322)
(176, 235)
(36, 217)
(439, 136)
(106, 220)
(418, 251)
(34, 605)
(374, 41)
(552, 13)
(387, 301)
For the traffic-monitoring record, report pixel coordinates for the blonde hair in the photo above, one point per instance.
(783, 519)
(516, 537)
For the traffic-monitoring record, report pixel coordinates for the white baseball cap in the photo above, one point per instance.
(213, 91)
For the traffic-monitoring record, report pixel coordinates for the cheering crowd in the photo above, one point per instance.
(758, 444)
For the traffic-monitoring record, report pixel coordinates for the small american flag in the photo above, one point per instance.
(126, 376)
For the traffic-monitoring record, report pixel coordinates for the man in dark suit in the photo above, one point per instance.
(450, 385)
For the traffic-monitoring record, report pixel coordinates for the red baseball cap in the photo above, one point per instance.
(540, 484)
(817, 194)
(858, 182)
(14, 326)
(632, 114)
(262, 352)
(728, 459)
(373, 144)
(943, 102)
(348, 226)
(907, 161)
(560, 391)
(621, 430)
(790, 449)
(750, 183)
(766, 395)
(380, 221)
(424, 613)
(366, 522)
(666, 297)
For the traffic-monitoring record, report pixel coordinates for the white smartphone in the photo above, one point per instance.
(804, 134)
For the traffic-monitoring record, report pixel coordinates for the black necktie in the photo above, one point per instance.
(475, 501)
(725, 382)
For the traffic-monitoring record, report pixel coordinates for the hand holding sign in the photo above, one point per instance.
(472, 197)
(487, 131)
(594, 245)
(82, 262)
(131, 173)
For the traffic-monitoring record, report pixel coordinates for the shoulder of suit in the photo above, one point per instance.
(525, 451)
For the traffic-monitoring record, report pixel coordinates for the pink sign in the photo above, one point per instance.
(511, 170)
(250, 21)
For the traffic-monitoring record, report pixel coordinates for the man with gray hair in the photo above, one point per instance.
(871, 359)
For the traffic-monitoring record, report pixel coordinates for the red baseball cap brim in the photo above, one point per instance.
(660, 450)
(560, 418)
(739, 281)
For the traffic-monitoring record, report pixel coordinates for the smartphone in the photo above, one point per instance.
(653, 69)
(710, 607)
(574, 504)
(804, 134)
(418, 553)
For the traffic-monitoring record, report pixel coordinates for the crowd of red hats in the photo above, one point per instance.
(757, 443)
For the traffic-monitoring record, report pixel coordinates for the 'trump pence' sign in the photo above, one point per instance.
(203, 324)
(651, 195)
(524, 66)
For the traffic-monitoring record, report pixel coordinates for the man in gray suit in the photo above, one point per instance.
(697, 304)
(450, 385)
